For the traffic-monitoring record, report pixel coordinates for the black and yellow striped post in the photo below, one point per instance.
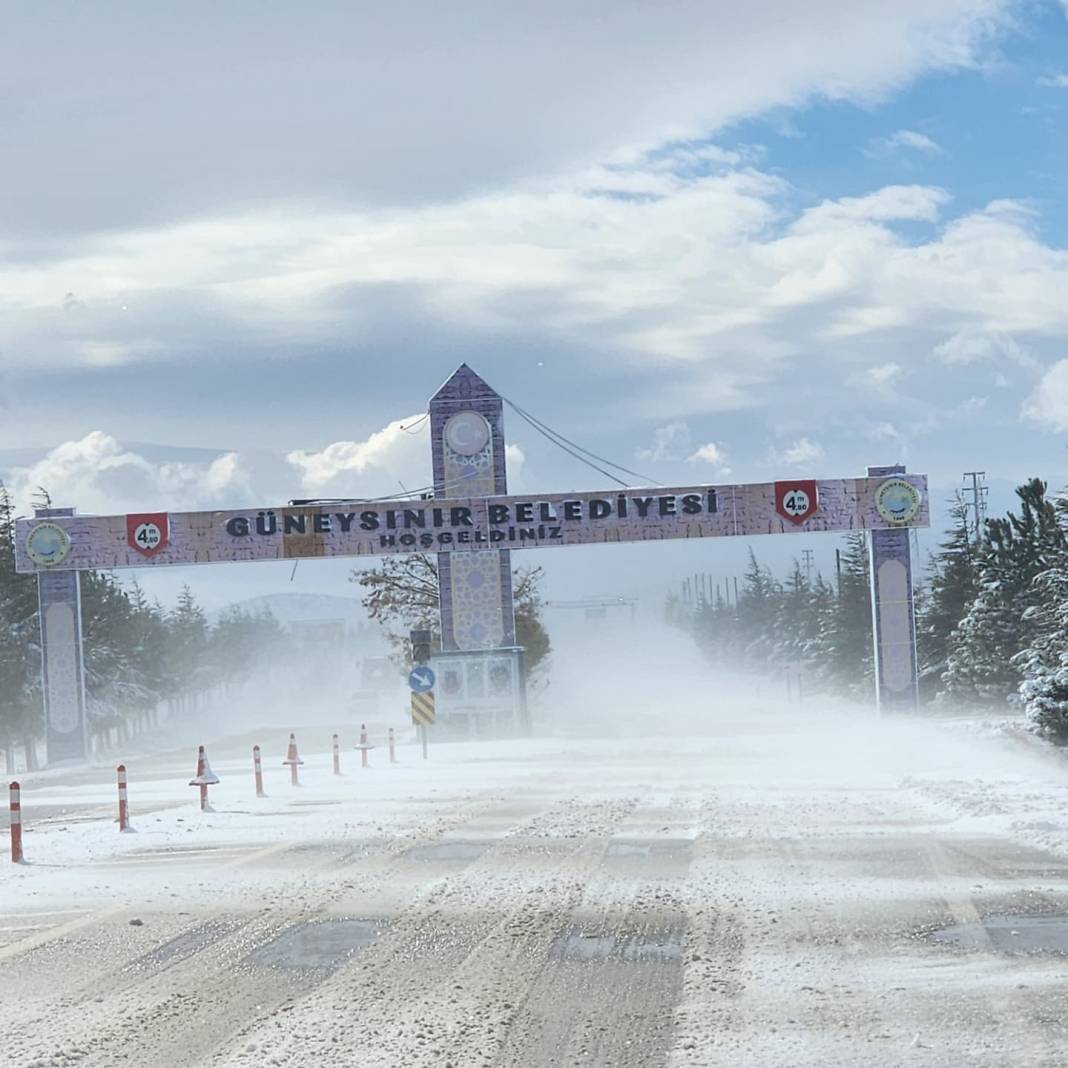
(423, 709)
(423, 714)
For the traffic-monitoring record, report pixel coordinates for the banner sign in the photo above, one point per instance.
(366, 528)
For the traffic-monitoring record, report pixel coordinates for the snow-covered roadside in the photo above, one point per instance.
(985, 783)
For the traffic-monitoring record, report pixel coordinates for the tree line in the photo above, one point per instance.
(139, 656)
(992, 616)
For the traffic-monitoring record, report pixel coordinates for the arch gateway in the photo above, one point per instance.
(473, 525)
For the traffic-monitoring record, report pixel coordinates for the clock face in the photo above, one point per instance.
(897, 501)
(467, 433)
(47, 544)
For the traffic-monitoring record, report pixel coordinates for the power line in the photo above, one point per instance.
(414, 428)
(557, 439)
(578, 456)
(562, 442)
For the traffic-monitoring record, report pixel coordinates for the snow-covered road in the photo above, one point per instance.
(761, 893)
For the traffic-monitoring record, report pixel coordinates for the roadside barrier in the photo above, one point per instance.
(204, 778)
(337, 755)
(293, 760)
(392, 747)
(258, 768)
(364, 746)
(124, 812)
(16, 824)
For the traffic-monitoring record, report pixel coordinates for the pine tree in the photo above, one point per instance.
(188, 633)
(757, 607)
(796, 621)
(21, 715)
(1001, 622)
(951, 590)
(843, 648)
(1044, 661)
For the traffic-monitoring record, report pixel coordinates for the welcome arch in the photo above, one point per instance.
(473, 525)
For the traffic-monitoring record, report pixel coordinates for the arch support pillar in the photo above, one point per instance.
(893, 613)
(62, 660)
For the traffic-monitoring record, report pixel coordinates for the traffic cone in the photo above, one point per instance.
(204, 778)
(293, 760)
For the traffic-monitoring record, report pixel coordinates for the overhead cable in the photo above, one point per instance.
(558, 439)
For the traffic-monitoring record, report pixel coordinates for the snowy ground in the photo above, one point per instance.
(757, 892)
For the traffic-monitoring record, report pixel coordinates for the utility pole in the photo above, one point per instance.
(807, 555)
(978, 492)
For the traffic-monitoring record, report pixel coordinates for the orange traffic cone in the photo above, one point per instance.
(293, 760)
(204, 778)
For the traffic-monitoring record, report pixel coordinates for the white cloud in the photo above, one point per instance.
(1054, 81)
(653, 264)
(1048, 404)
(971, 346)
(903, 139)
(98, 475)
(879, 378)
(801, 453)
(390, 460)
(670, 442)
(362, 97)
(885, 373)
(673, 442)
(884, 432)
(710, 453)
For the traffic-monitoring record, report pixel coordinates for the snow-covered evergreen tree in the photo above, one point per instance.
(951, 589)
(796, 622)
(983, 665)
(757, 608)
(1044, 661)
(842, 649)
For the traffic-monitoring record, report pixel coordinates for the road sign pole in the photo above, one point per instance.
(424, 731)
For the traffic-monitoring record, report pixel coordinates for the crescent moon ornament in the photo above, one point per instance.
(467, 433)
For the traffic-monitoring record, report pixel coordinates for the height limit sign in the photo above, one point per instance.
(796, 501)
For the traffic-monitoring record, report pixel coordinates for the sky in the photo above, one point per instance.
(241, 245)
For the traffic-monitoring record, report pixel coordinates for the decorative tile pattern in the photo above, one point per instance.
(475, 597)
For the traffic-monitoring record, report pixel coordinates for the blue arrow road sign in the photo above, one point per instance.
(421, 679)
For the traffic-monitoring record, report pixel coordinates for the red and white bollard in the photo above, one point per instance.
(204, 778)
(124, 812)
(337, 755)
(293, 760)
(258, 768)
(363, 747)
(392, 747)
(16, 824)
